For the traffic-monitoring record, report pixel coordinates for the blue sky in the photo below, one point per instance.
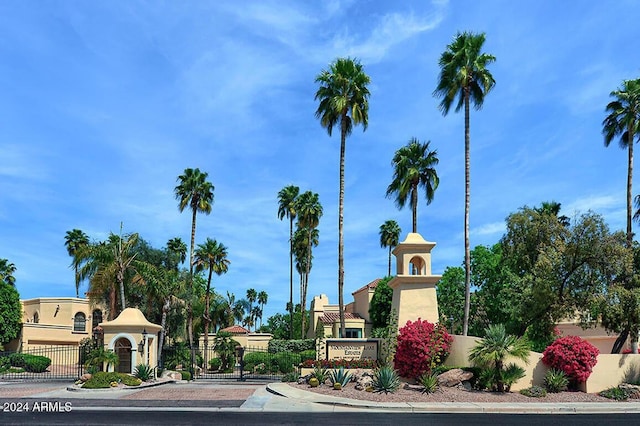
(104, 104)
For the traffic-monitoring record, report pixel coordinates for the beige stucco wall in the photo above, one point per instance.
(609, 371)
(414, 296)
(361, 301)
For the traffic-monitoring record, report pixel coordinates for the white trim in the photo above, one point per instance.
(134, 347)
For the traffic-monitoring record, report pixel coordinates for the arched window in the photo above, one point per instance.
(80, 322)
(36, 318)
(96, 318)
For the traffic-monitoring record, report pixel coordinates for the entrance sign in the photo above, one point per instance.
(352, 349)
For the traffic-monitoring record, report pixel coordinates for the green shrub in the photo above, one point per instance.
(534, 392)
(143, 372)
(286, 361)
(385, 379)
(277, 345)
(180, 354)
(36, 363)
(214, 364)
(103, 379)
(556, 381)
(340, 376)
(428, 382)
(291, 377)
(308, 354)
(616, 393)
(17, 360)
(186, 375)
(5, 363)
(511, 374)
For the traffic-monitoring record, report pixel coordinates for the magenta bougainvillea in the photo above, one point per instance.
(421, 347)
(573, 355)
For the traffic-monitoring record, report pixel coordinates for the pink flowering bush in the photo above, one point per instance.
(573, 355)
(421, 347)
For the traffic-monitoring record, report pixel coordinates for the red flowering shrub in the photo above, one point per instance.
(573, 355)
(421, 347)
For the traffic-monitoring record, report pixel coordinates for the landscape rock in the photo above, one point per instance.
(363, 379)
(632, 390)
(85, 377)
(454, 377)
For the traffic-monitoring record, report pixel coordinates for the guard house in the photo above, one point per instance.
(133, 338)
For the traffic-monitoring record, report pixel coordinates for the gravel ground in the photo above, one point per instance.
(183, 392)
(452, 395)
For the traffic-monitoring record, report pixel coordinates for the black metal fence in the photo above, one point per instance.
(65, 363)
(244, 364)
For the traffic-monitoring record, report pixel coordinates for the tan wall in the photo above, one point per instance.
(361, 302)
(609, 371)
(414, 297)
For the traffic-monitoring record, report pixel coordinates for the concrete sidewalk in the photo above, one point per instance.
(273, 397)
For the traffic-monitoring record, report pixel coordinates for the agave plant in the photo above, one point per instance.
(556, 381)
(385, 379)
(320, 373)
(429, 382)
(340, 375)
(143, 372)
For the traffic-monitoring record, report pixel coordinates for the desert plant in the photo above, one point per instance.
(225, 347)
(574, 356)
(534, 392)
(556, 381)
(511, 374)
(490, 353)
(186, 375)
(103, 379)
(143, 372)
(617, 393)
(421, 347)
(341, 376)
(320, 373)
(385, 379)
(428, 382)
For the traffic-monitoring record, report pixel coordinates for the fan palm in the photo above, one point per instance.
(343, 101)
(252, 296)
(176, 253)
(389, 237)
(286, 208)
(623, 120)
(464, 74)
(74, 240)
(7, 269)
(414, 166)
(309, 213)
(492, 351)
(212, 256)
(193, 191)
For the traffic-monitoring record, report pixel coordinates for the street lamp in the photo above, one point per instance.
(143, 344)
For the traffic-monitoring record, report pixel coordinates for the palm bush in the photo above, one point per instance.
(491, 352)
(225, 347)
(429, 382)
(385, 379)
(556, 381)
(100, 356)
(340, 375)
(143, 372)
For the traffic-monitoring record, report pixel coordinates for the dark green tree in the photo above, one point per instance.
(10, 313)
(389, 237)
(74, 241)
(380, 306)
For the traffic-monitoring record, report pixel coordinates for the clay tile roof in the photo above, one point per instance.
(236, 329)
(372, 284)
(331, 317)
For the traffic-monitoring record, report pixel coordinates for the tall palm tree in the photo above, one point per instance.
(309, 213)
(389, 237)
(624, 121)
(193, 191)
(74, 240)
(262, 300)
(414, 166)
(252, 296)
(344, 101)
(464, 74)
(212, 256)
(7, 269)
(495, 348)
(286, 208)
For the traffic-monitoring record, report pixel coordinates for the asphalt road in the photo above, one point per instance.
(150, 417)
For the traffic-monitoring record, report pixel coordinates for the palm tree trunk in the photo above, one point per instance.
(77, 282)
(467, 188)
(389, 274)
(290, 278)
(190, 292)
(305, 286)
(163, 323)
(414, 206)
(629, 184)
(207, 317)
(343, 143)
(120, 278)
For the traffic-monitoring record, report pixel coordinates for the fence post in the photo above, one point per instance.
(240, 354)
